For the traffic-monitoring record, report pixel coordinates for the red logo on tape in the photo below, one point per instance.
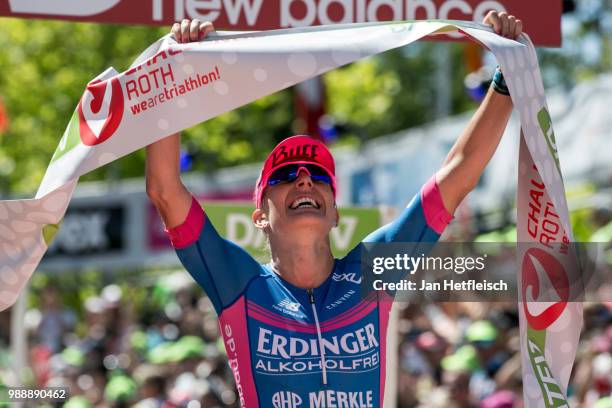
(556, 274)
(100, 111)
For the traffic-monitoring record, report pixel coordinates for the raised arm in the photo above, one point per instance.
(220, 267)
(164, 186)
(467, 159)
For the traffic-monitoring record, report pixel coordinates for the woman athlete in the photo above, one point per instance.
(297, 331)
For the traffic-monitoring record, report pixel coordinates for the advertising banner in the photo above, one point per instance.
(542, 20)
(125, 231)
(233, 221)
(88, 231)
(174, 86)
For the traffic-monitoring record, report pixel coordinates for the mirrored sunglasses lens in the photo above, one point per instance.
(315, 170)
(318, 174)
(290, 173)
(283, 175)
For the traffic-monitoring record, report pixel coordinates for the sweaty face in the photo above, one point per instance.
(302, 203)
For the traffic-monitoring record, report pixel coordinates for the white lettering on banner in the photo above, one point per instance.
(241, 231)
(341, 399)
(232, 355)
(286, 399)
(194, 5)
(211, 10)
(82, 232)
(428, 5)
(341, 236)
(62, 7)
(394, 5)
(288, 20)
(234, 10)
(273, 344)
(483, 8)
(346, 7)
(358, 11)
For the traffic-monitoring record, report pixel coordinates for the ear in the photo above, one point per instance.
(260, 219)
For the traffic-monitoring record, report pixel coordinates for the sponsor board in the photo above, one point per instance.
(541, 20)
(233, 221)
(90, 230)
(130, 229)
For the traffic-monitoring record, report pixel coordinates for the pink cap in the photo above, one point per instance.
(295, 150)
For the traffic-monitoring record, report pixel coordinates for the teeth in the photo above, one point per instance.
(304, 200)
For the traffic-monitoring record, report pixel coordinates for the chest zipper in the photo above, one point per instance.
(320, 338)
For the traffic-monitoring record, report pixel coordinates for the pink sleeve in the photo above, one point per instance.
(435, 214)
(189, 231)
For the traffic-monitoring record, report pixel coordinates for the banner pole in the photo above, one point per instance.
(19, 339)
(392, 358)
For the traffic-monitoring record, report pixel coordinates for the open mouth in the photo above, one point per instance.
(304, 202)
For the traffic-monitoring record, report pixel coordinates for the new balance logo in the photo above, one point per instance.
(62, 7)
(287, 304)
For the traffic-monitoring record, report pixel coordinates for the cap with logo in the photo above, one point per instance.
(298, 149)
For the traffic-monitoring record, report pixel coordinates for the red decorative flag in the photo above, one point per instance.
(4, 119)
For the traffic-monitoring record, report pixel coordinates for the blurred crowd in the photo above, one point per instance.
(468, 355)
(167, 352)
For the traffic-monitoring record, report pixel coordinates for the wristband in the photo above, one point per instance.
(499, 83)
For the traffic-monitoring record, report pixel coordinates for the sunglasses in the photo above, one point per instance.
(289, 173)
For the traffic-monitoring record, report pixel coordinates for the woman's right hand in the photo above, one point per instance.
(191, 30)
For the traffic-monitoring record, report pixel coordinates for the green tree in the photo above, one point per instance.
(46, 66)
(394, 90)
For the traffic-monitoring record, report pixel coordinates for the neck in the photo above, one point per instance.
(305, 264)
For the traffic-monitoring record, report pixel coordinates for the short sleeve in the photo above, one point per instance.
(423, 220)
(220, 267)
